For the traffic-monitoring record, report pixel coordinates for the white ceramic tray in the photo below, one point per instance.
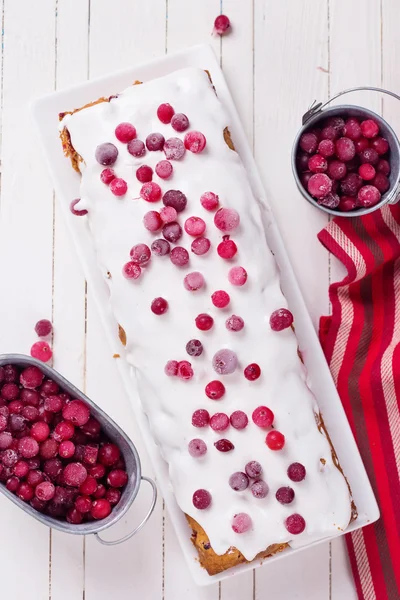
(66, 181)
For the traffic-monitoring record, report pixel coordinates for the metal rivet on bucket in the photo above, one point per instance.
(317, 111)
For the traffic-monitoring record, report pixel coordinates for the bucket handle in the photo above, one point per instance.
(141, 524)
(315, 108)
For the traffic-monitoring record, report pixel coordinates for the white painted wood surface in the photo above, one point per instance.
(278, 58)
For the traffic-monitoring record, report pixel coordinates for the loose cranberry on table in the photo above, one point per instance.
(222, 25)
(41, 351)
(43, 328)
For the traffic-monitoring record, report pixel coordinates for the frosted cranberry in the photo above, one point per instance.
(252, 372)
(295, 524)
(90, 454)
(296, 472)
(185, 370)
(151, 192)
(330, 201)
(107, 176)
(28, 447)
(16, 423)
(330, 133)
(164, 168)
(41, 351)
(194, 348)
(369, 128)
(109, 454)
(66, 449)
(73, 516)
(221, 25)
(337, 123)
(34, 463)
(209, 200)
(317, 164)
(195, 142)
(219, 422)
(351, 184)
(168, 214)
(280, 319)
(140, 254)
(40, 431)
(347, 203)
(241, 523)
(77, 412)
(361, 144)
(352, 129)
(118, 186)
(100, 509)
(369, 155)
(225, 362)
(48, 448)
(53, 468)
(159, 306)
(31, 377)
(234, 323)
(253, 469)
(131, 270)
(75, 474)
(5, 440)
(9, 391)
(53, 404)
(155, 141)
(285, 495)
(9, 458)
(83, 504)
(152, 221)
(237, 276)
(144, 174)
(171, 368)
(220, 299)
(34, 477)
(63, 431)
(201, 499)
(172, 232)
(97, 471)
(165, 112)
(176, 199)
(366, 171)
(239, 481)
(381, 182)
(197, 448)
(25, 492)
(89, 486)
(345, 149)
(238, 419)
(215, 390)
(263, 416)
(368, 196)
(10, 374)
(136, 148)
(259, 489)
(21, 469)
(160, 247)
(193, 281)
(125, 132)
(227, 248)
(275, 440)
(3, 422)
(180, 122)
(49, 388)
(45, 491)
(200, 418)
(117, 478)
(30, 397)
(106, 154)
(319, 185)
(113, 496)
(383, 167)
(179, 256)
(226, 219)
(38, 504)
(200, 246)
(309, 143)
(174, 149)
(15, 407)
(12, 484)
(195, 226)
(326, 148)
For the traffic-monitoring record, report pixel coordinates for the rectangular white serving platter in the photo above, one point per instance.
(66, 182)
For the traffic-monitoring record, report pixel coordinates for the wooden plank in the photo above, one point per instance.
(390, 54)
(67, 552)
(26, 248)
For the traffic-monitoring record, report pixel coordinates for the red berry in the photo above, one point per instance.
(49, 388)
(144, 174)
(317, 163)
(77, 412)
(180, 122)
(40, 431)
(345, 149)
(280, 319)
(195, 142)
(125, 132)
(330, 133)
(100, 509)
(275, 440)
(337, 170)
(168, 214)
(369, 128)
(194, 348)
(21, 469)
(28, 447)
(285, 495)
(5, 440)
(185, 370)
(31, 377)
(252, 372)
(10, 391)
(113, 496)
(159, 306)
(97, 471)
(195, 226)
(263, 416)
(200, 418)
(66, 449)
(155, 141)
(234, 323)
(347, 203)
(25, 492)
(160, 247)
(296, 472)
(140, 254)
(200, 246)
(45, 491)
(337, 123)
(227, 248)
(117, 478)
(83, 504)
(34, 477)
(309, 143)
(165, 112)
(237, 276)
(225, 362)
(366, 171)
(368, 196)
(220, 299)
(351, 184)
(171, 368)
(204, 322)
(131, 270)
(197, 448)
(383, 167)
(43, 328)
(381, 182)
(259, 489)
(151, 192)
(48, 448)
(352, 129)
(241, 523)
(226, 219)
(30, 397)
(152, 221)
(193, 281)
(107, 176)
(179, 256)
(238, 419)
(361, 144)
(89, 486)
(215, 390)
(319, 185)
(326, 148)
(221, 25)
(224, 445)
(12, 484)
(106, 154)
(100, 492)
(209, 200)
(118, 186)
(75, 474)
(53, 404)
(380, 145)
(10, 374)
(201, 499)
(295, 524)
(41, 351)
(172, 232)
(176, 199)
(74, 517)
(174, 149)
(136, 148)
(219, 422)
(164, 168)
(369, 155)
(109, 454)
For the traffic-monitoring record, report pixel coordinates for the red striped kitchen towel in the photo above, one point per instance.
(361, 341)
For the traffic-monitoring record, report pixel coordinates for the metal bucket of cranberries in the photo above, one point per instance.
(63, 460)
(346, 159)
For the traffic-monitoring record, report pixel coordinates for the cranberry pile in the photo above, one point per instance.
(53, 453)
(344, 164)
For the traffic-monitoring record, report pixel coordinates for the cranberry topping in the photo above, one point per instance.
(200, 246)
(296, 472)
(238, 419)
(164, 169)
(239, 481)
(193, 281)
(220, 299)
(263, 416)
(106, 154)
(151, 192)
(253, 469)
(285, 495)
(159, 306)
(223, 445)
(131, 270)
(215, 390)
(280, 319)
(295, 524)
(275, 440)
(172, 232)
(197, 448)
(174, 149)
(225, 362)
(165, 112)
(203, 321)
(155, 141)
(171, 368)
(179, 122)
(201, 499)
(252, 372)
(219, 422)
(226, 219)
(176, 199)
(160, 247)
(179, 256)
(234, 323)
(194, 348)
(227, 248)
(241, 523)
(185, 370)
(125, 132)
(144, 174)
(195, 142)
(209, 200)
(259, 489)
(136, 148)
(152, 221)
(195, 226)
(200, 418)
(237, 276)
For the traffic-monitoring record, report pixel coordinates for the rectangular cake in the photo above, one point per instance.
(195, 291)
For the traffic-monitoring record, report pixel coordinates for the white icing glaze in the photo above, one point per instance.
(116, 225)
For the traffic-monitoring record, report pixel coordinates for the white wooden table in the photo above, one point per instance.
(280, 56)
